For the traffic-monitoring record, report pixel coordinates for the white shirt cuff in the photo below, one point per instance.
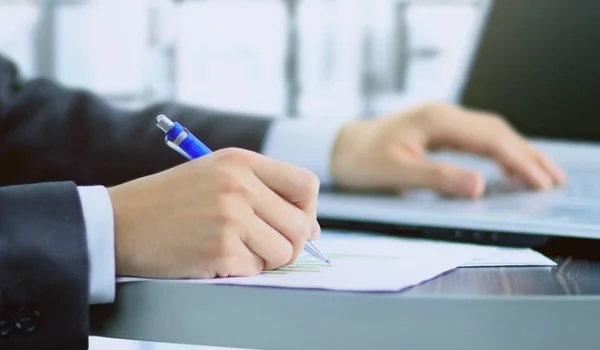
(305, 143)
(99, 228)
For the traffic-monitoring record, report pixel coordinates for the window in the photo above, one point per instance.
(307, 58)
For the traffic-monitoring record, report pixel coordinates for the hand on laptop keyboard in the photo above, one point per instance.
(390, 153)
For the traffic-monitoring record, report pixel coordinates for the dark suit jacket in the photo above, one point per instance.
(51, 140)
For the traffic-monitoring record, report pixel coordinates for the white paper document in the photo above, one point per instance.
(365, 263)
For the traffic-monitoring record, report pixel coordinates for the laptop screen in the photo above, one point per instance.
(538, 65)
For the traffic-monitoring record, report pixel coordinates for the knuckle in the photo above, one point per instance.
(437, 108)
(224, 207)
(227, 266)
(282, 259)
(304, 182)
(300, 231)
(226, 257)
(494, 148)
(228, 180)
(230, 227)
(236, 156)
(433, 112)
(311, 182)
(497, 147)
(496, 121)
(306, 179)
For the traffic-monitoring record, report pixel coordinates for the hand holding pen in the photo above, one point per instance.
(185, 143)
(228, 213)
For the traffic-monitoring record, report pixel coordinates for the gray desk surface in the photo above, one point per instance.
(479, 308)
(570, 277)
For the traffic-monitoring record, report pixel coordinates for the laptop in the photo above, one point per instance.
(535, 62)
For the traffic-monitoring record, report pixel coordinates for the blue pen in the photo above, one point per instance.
(183, 142)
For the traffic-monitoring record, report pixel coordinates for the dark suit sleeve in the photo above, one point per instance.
(50, 133)
(52, 139)
(43, 268)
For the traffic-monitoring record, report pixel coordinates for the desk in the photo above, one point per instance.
(468, 308)
(570, 277)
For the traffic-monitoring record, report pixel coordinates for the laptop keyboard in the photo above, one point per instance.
(581, 184)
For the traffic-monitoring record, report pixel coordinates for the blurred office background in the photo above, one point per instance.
(306, 58)
(284, 58)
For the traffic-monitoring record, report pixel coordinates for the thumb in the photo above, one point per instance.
(445, 178)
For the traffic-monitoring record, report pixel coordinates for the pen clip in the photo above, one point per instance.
(177, 149)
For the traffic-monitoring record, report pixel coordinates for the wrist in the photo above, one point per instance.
(121, 226)
(350, 143)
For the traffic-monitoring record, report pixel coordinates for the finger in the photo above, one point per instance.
(441, 177)
(518, 161)
(558, 174)
(267, 243)
(491, 137)
(315, 231)
(245, 263)
(554, 170)
(296, 185)
(290, 221)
